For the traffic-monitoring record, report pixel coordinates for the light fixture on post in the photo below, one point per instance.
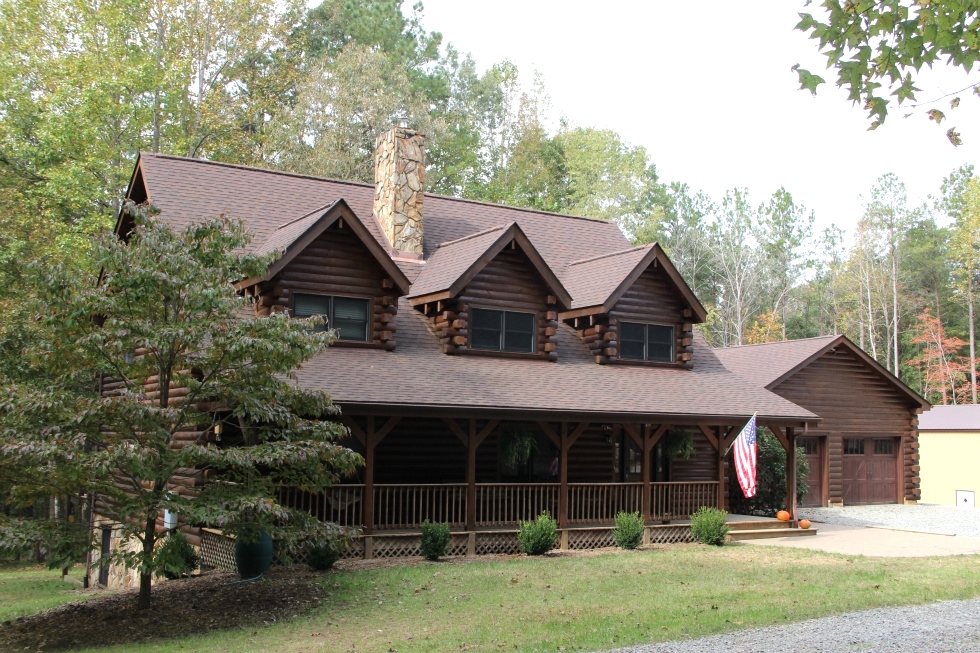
(217, 432)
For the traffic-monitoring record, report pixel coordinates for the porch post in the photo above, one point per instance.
(721, 468)
(791, 473)
(647, 450)
(471, 477)
(369, 443)
(563, 478)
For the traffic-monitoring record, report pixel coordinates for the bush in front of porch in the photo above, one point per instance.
(538, 537)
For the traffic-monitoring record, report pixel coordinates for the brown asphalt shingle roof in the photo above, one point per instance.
(452, 259)
(278, 207)
(417, 373)
(765, 363)
(593, 280)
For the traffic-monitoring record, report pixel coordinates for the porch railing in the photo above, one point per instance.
(405, 506)
(679, 500)
(591, 503)
(506, 504)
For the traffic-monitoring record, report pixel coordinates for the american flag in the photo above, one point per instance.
(745, 458)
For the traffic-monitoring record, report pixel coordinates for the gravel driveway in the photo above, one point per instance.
(946, 627)
(922, 517)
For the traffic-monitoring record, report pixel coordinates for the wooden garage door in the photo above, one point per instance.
(810, 447)
(870, 470)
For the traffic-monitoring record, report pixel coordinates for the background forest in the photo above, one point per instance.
(85, 86)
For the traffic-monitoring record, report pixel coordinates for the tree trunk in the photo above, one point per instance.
(146, 576)
(973, 346)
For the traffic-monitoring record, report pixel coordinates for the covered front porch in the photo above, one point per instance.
(460, 470)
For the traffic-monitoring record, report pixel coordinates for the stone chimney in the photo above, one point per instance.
(399, 184)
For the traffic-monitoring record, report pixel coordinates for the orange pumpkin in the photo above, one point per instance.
(804, 524)
(782, 515)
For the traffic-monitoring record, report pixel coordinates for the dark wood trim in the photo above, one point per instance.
(577, 433)
(354, 429)
(563, 477)
(711, 437)
(457, 431)
(779, 436)
(791, 474)
(633, 430)
(550, 433)
(659, 433)
(383, 432)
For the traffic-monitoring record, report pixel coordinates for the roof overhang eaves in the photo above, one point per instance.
(137, 173)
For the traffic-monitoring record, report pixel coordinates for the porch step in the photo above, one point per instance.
(763, 533)
(757, 525)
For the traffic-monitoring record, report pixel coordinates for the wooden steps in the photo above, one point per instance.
(757, 530)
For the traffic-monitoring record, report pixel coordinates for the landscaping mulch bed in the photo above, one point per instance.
(179, 607)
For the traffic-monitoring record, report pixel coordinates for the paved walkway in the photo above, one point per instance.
(876, 542)
(945, 627)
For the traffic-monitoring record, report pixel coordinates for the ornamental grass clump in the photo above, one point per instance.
(538, 537)
(435, 539)
(629, 530)
(708, 525)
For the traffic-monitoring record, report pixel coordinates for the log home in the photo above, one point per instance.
(492, 362)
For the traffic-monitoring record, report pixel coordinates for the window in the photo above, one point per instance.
(349, 315)
(884, 447)
(504, 331)
(809, 446)
(853, 446)
(646, 342)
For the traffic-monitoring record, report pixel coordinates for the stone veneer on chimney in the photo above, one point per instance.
(399, 183)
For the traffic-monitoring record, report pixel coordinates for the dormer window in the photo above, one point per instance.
(504, 331)
(646, 342)
(349, 315)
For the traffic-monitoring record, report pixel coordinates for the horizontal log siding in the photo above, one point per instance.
(653, 299)
(509, 282)
(420, 451)
(703, 467)
(853, 399)
(336, 263)
(590, 460)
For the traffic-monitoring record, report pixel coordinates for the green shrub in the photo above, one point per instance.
(435, 539)
(538, 537)
(708, 525)
(322, 556)
(629, 530)
(175, 557)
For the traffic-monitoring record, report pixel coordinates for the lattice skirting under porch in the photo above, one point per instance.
(218, 551)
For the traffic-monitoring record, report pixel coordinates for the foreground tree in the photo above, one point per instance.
(140, 367)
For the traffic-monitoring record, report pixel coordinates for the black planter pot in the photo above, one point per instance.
(253, 558)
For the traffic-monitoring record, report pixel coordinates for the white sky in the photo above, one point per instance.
(707, 88)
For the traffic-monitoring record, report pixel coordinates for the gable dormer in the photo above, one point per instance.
(491, 293)
(633, 307)
(331, 265)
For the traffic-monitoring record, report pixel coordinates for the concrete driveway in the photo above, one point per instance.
(876, 542)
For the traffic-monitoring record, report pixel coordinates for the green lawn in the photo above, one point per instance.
(589, 603)
(28, 589)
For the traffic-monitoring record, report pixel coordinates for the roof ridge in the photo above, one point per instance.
(778, 342)
(348, 182)
(324, 208)
(611, 254)
(476, 234)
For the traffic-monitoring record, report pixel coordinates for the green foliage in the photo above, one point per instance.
(680, 444)
(516, 447)
(708, 525)
(175, 557)
(770, 496)
(629, 530)
(881, 46)
(321, 557)
(435, 539)
(538, 537)
(169, 296)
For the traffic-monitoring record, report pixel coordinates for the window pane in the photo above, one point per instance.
(632, 346)
(885, 447)
(307, 305)
(350, 318)
(519, 331)
(853, 446)
(660, 346)
(809, 446)
(487, 326)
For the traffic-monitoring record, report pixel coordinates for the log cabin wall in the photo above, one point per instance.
(420, 451)
(653, 299)
(336, 263)
(590, 459)
(508, 282)
(855, 401)
(704, 465)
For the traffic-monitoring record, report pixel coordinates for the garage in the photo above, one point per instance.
(870, 470)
